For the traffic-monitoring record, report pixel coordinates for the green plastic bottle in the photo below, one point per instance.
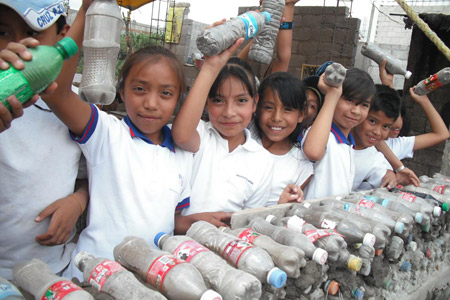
(38, 73)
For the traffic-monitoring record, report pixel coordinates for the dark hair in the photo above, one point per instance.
(152, 54)
(60, 23)
(241, 70)
(386, 100)
(358, 86)
(311, 82)
(291, 91)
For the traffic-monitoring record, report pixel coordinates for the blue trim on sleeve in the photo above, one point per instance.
(90, 127)
(184, 204)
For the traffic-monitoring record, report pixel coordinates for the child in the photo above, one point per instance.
(231, 170)
(314, 100)
(279, 114)
(344, 108)
(38, 161)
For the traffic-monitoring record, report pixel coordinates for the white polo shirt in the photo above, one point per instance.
(135, 186)
(224, 181)
(38, 165)
(402, 146)
(334, 173)
(370, 169)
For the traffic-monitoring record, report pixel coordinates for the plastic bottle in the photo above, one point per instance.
(111, 278)
(443, 189)
(395, 248)
(352, 234)
(261, 49)
(433, 82)
(290, 238)
(335, 74)
(397, 206)
(9, 290)
(36, 277)
(162, 270)
(38, 73)
(441, 176)
(393, 64)
(443, 198)
(230, 282)
(101, 45)
(292, 222)
(238, 253)
(214, 40)
(289, 259)
(331, 287)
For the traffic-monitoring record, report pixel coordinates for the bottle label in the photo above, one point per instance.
(439, 189)
(408, 197)
(328, 224)
(249, 235)
(234, 250)
(316, 234)
(102, 272)
(60, 289)
(159, 269)
(432, 83)
(365, 203)
(188, 250)
(7, 290)
(251, 26)
(14, 83)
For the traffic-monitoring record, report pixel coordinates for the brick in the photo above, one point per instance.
(307, 47)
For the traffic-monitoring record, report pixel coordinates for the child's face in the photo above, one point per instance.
(396, 127)
(276, 121)
(13, 29)
(231, 110)
(373, 129)
(312, 104)
(350, 113)
(150, 93)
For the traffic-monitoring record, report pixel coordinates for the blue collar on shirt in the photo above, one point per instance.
(340, 136)
(167, 135)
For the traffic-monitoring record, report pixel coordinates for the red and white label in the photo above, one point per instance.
(439, 189)
(60, 289)
(316, 234)
(328, 224)
(249, 235)
(365, 203)
(188, 250)
(408, 197)
(234, 250)
(159, 269)
(102, 272)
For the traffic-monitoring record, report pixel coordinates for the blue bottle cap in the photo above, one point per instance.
(158, 236)
(405, 267)
(419, 218)
(385, 202)
(399, 227)
(267, 16)
(358, 294)
(276, 278)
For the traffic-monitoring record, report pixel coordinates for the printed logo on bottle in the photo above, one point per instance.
(249, 235)
(159, 269)
(251, 26)
(408, 197)
(60, 289)
(316, 234)
(439, 189)
(328, 224)
(432, 83)
(365, 203)
(7, 290)
(188, 250)
(102, 272)
(234, 250)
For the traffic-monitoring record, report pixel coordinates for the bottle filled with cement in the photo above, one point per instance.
(433, 82)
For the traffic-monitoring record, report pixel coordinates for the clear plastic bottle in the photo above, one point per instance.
(261, 49)
(441, 176)
(162, 270)
(442, 188)
(214, 40)
(443, 198)
(292, 222)
(395, 248)
(393, 64)
(101, 47)
(38, 73)
(397, 206)
(335, 74)
(289, 237)
(230, 282)
(238, 253)
(9, 291)
(111, 278)
(433, 82)
(36, 277)
(287, 258)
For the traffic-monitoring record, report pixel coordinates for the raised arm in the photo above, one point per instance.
(439, 132)
(385, 77)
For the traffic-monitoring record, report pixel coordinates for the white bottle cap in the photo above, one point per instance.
(79, 257)
(408, 74)
(270, 218)
(320, 256)
(211, 295)
(295, 223)
(412, 246)
(369, 240)
(437, 211)
(399, 227)
(306, 204)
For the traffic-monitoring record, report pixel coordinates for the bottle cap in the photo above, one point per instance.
(426, 228)
(354, 263)
(405, 267)
(320, 256)
(399, 227)
(419, 218)
(331, 287)
(276, 278)
(379, 251)
(269, 218)
(211, 295)
(385, 202)
(437, 211)
(295, 223)
(412, 246)
(408, 74)
(429, 253)
(445, 206)
(358, 293)
(387, 283)
(369, 240)
(69, 46)
(267, 16)
(158, 236)
(80, 257)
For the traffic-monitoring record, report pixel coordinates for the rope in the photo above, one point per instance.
(425, 28)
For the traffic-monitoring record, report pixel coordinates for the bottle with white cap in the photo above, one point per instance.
(289, 237)
(9, 291)
(287, 258)
(335, 74)
(433, 82)
(173, 277)
(37, 278)
(393, 64)
(230, 282)
(238, 253)
(110, 277)
(292, 222)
